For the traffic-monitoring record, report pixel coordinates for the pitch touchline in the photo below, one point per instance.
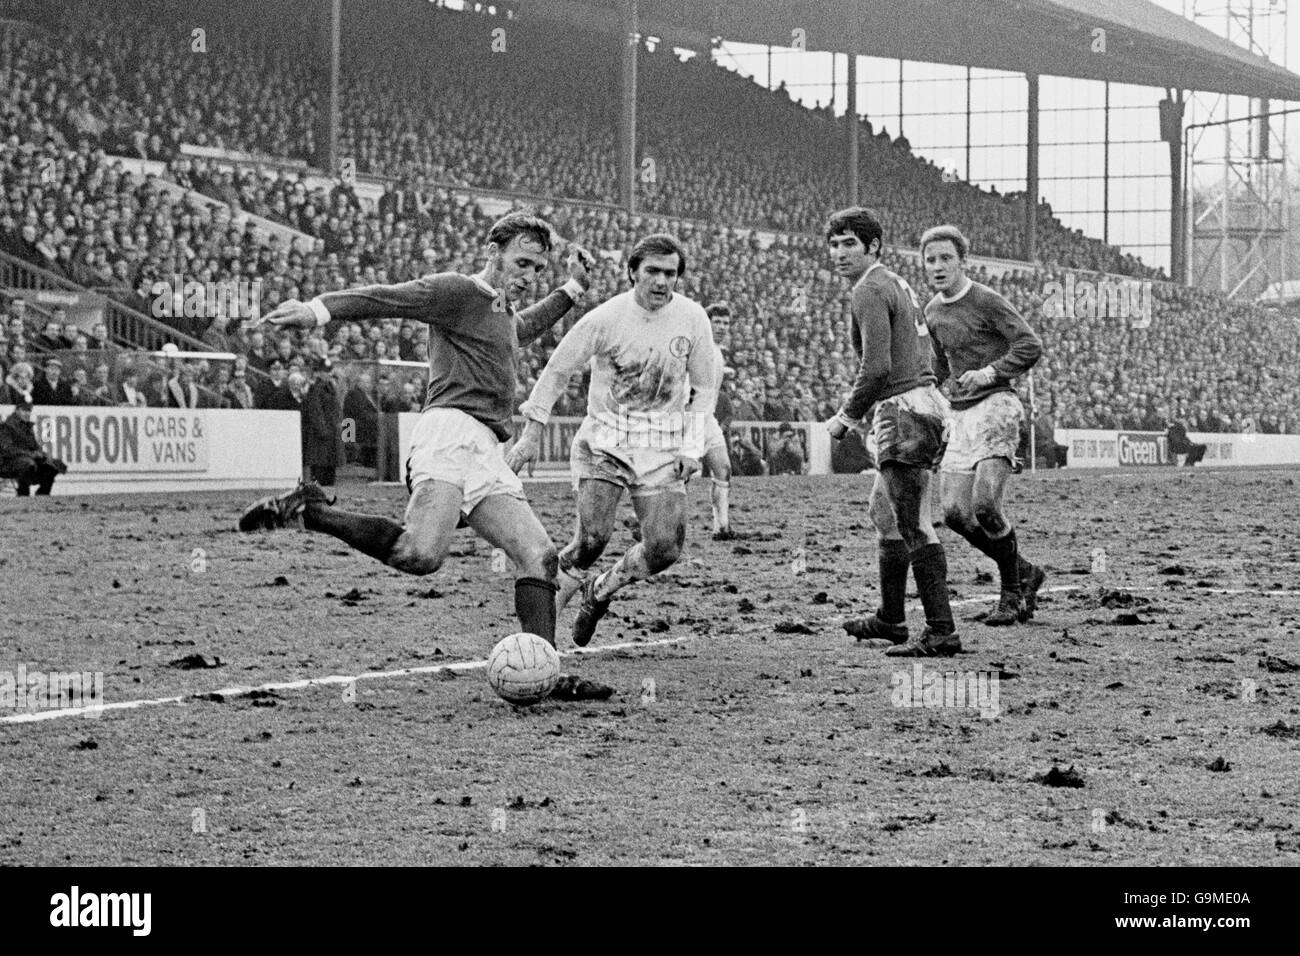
(313, 682)
(1276, 592)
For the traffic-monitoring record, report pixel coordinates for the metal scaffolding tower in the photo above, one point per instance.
(1237, 220)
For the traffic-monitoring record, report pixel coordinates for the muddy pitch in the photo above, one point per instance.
(1148, 715)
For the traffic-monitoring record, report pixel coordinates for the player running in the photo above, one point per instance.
(984, 344)
(890, 338)
(455, 471)
(717, 456)
(644, 431)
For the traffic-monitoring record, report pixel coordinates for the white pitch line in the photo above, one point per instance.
(1193, 589)
(993, 597)
(1189, 589)
(97, 710)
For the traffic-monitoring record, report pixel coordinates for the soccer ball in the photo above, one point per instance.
(523, 668)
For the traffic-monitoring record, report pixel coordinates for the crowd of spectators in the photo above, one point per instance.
(753, 158)
(435, 102)
(1214, 364)
(67, 206)
(255, 377)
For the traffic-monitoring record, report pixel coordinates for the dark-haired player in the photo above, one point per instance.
(455, 469)
(907, 432)
(984, 344)
(653, 387)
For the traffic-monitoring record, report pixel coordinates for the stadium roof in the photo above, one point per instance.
(1145, 44)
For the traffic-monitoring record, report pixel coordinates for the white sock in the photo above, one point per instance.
(570, 582)
(631, 567)
(718, 496)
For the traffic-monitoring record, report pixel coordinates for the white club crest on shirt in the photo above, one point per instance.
(680, 346)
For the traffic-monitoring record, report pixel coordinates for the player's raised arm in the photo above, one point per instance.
(433, 299)
(871, 314)
(538, 318)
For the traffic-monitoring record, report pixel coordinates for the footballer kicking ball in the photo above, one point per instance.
(523, 668)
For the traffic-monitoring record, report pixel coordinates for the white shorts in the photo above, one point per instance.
(449, 445)
(642, 471)
(988, 429)
(713, 437)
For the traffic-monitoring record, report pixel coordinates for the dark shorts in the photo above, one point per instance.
(909, 429)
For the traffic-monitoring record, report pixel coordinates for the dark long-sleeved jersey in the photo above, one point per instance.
(889, 335)
(473, 337)
(979, 328)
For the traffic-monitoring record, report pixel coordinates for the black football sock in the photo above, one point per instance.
(930, 567)
(997, 550)
(1006, 552)
(535, 607)
(369, 534)
(894, 561)
(979, 539)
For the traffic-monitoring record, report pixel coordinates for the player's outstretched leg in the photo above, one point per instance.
(663, 534)
(419, 546)
(908, 489)
(374, 535)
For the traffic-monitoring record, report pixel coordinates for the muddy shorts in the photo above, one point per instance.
(988, 429)
(642, 471)
(909, 428)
